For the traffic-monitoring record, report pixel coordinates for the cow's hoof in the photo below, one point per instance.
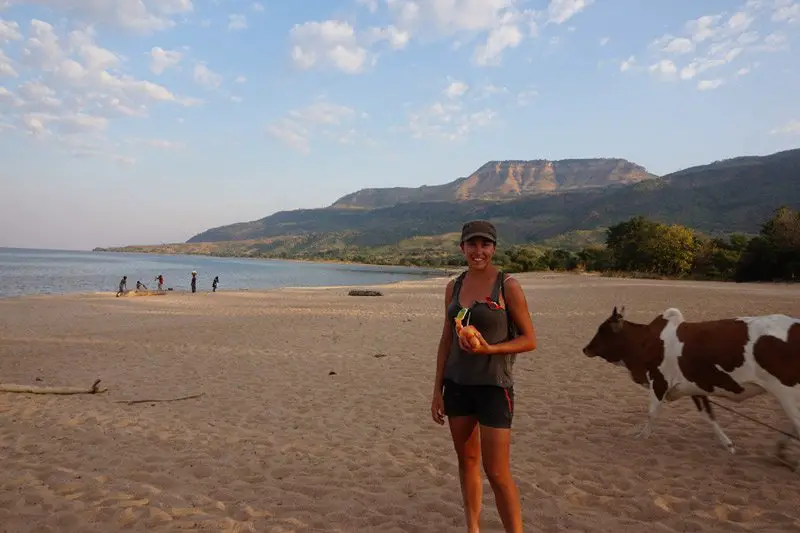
(641, 431)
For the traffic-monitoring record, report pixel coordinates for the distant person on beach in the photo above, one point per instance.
(123, 285)
(194, 281)
(473, 387)
(160, 280)
(139, 285)
(214, 284)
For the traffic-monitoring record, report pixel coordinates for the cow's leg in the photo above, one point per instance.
(789, 398)
(703, 405)
(653, 410)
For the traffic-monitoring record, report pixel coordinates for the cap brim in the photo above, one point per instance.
(478, 234)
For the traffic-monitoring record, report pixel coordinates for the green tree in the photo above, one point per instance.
(775, 253)
(595, 258)
(669, 250)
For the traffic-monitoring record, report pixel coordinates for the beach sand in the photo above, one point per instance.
(315, 416)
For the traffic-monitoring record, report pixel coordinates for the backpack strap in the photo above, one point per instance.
(457, 286)
(512, 327)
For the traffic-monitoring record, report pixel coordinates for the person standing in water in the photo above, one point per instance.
(123, 285)
(160, 280)
(194, 281)
(214, 284)
(474, 387)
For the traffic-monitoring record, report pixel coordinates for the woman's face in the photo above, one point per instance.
(478, 252)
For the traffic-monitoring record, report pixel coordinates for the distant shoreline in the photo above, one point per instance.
(421, 269)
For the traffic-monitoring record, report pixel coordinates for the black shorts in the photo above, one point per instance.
(492, 405)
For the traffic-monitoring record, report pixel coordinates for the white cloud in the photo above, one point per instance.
(502, 22)
(789, 13)
(258, 7)
(604, 41)
(205, 76)
(491, 89)
(708, 85)
(9, 31)
(371, 5)
(665, 70)
(70, 89)
(6, 67)
(714, 41)
(456, 89)
(331, 43)
(142, 16)
(679, 45)
(298, 127)
(790, 128)
(627, 64)
(505, 35)
(237, 22)
(240, 79)
(447, 121)
(451, 119)
(396, 38)
(560, 11)
(161, 60)
(494, 25)
(783, 11)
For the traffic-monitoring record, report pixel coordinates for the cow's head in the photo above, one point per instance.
(608, 342)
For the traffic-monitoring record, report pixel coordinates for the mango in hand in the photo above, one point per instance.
(468, 333)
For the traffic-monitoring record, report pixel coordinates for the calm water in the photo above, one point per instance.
(49, 272)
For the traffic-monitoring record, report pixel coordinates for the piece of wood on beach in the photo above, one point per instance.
(364, 292)
(134, 402)
(33, 389)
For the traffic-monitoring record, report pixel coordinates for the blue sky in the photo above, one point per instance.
(149, 121)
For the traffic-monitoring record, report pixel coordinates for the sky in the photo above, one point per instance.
(148, 121)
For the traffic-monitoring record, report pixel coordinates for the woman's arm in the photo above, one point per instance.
(445, 341)
(517, 306)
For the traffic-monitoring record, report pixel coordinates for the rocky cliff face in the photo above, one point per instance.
(507, 180)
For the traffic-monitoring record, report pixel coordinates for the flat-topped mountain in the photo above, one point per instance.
(506, 180)
(731, 195)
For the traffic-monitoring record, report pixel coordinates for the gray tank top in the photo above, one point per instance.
(494, 324)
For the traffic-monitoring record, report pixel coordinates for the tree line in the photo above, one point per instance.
(641, 246)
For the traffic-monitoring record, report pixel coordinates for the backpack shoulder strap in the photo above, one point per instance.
(457, 285)
(512, 327)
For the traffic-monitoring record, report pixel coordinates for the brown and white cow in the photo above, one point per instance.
(734, 358)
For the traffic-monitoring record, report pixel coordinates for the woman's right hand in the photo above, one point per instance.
(437, 408)
(462, 342)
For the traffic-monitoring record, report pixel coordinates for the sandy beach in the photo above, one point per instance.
(315, 416)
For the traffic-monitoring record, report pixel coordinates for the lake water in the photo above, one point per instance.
(24, 272)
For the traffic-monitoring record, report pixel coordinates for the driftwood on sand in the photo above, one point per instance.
(364, 292)
(33, 389)
(133, 402)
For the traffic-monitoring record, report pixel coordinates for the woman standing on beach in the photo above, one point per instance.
(474, 386)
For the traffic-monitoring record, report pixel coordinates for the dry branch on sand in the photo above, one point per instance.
(364, 292)
(132, 402)
(33, 389)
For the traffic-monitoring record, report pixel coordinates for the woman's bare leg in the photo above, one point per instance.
(466, 439)
(496, 449)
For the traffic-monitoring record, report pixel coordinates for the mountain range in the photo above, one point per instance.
(506, 180)
(533, 201)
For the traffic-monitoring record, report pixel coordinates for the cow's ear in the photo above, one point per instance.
(622, 312)
(614, 312)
